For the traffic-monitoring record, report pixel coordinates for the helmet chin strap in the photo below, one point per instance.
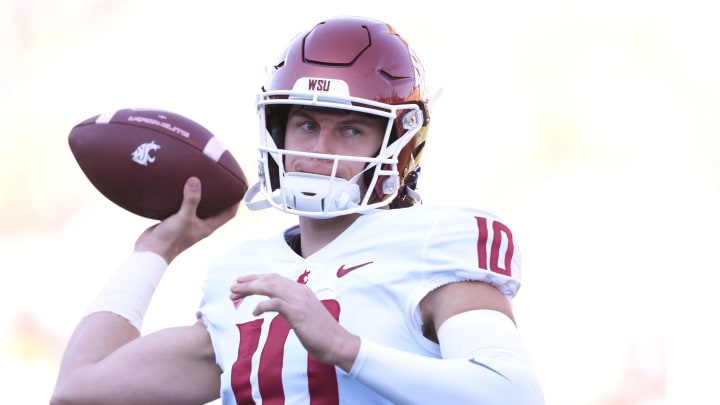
(258, 205)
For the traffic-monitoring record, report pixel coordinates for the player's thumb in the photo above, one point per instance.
(192, 192)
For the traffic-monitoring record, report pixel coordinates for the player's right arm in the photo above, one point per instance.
(107, 361)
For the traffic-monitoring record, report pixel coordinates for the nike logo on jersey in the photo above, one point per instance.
(343, 271)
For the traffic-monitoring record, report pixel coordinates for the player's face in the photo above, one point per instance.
(335, 132)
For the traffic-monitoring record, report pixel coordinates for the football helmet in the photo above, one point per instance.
(353, 64)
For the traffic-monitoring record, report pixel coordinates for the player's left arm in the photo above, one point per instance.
(484, 360)
(475, 259)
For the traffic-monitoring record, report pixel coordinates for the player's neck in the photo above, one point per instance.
(317, 233)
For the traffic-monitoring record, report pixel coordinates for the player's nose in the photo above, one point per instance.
(324, 142)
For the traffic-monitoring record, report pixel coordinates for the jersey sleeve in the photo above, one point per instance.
(468, 244)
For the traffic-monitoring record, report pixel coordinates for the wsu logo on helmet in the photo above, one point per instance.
(142, 155)
(319, 85)
(315, 84)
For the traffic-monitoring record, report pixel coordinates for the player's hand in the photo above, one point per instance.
(321, 335)
(183, 229)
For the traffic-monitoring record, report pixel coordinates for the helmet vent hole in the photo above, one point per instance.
(388, 76)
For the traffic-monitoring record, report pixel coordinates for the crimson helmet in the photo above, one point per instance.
(353, 64)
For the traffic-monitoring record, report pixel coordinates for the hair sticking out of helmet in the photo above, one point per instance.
(354, 64)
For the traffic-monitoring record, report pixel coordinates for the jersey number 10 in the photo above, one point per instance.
(493, 254)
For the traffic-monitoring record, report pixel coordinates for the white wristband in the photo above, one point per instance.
(128, 291)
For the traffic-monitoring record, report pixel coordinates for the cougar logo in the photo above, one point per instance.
(142, 155)
(303, 279)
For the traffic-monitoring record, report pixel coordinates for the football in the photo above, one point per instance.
(140, 159)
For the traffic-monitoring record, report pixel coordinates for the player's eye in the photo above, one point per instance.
(308, 126)
(352, 131)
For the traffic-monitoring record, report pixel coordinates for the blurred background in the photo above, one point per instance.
(590, 127)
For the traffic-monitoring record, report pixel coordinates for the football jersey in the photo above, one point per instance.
(371, 278)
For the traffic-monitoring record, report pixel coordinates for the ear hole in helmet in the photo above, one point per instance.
(275, 121)
(276, 117)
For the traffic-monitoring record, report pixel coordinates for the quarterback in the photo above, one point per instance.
(372, 298)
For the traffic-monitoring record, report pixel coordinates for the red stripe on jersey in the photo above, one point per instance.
(271, 363)
(240, 378)
(322, 379)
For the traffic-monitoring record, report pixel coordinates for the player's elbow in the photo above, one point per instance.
(67, 393)
(59, 398)
(62, 396)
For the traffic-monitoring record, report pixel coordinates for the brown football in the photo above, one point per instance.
(140, 159)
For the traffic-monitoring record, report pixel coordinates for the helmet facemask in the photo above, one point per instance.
(320, 196)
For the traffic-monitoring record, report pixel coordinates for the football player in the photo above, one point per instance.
(372, 298)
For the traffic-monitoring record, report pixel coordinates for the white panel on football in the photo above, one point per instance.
(105, 118)
(214, 149)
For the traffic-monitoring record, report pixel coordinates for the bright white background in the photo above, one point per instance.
(590, 127)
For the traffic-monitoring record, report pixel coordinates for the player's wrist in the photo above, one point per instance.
(129, 290)
(150, 244)
(346, 352)
(167, 255)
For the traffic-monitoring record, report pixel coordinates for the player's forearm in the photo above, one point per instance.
(406, 378)
(128, 292)
(115, 317)
(112, 320)
(485, 363)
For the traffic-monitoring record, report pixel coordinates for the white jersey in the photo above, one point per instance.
(371, 278)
